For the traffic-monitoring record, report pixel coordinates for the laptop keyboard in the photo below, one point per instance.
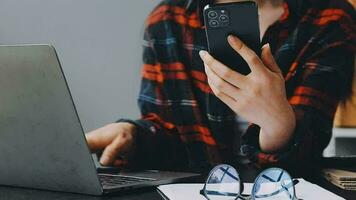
(111, 180)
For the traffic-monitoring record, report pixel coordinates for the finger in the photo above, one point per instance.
(251, 58)
(268, 59)
(220, 84)
(91, 143)
(96, 141)
(112, 151)
(100, 138)
(229, 101)
(223, 71)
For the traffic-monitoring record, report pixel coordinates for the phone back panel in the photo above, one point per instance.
(239, 19)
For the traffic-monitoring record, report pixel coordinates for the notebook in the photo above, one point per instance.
(341, 178)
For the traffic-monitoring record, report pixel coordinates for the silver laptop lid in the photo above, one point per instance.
(42, 144)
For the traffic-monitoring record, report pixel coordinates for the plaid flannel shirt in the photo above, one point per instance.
(184, 126)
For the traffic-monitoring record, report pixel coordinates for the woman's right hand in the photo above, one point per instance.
(116, 140)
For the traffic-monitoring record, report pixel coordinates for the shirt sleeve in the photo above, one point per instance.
(158, 142)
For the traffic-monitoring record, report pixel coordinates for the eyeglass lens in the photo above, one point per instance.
(273, 183)
(223, 184)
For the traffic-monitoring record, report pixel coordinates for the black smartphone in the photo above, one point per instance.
(240, 19)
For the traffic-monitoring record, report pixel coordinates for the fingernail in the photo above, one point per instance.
(266, 46)
(269, 47)
(202, 54)
(104, 160)
(231, 38)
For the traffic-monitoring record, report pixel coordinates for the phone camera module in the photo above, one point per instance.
(214, 23)
(212, 14)
(224, 18)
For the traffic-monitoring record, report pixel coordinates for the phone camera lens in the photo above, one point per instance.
(214, 23)
(224, 18)
(212, 14)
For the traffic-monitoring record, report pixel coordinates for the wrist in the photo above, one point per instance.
(281, 127)
(126, 126)
(278, 132)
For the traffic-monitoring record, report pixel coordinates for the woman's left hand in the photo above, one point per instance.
(259, 97)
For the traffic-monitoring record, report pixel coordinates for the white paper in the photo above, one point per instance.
(304, 190)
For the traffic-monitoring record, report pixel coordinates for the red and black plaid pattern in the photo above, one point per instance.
(184, 125)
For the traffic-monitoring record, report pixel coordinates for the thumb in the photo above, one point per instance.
(112, 151)
(95, 142)
(268, 59)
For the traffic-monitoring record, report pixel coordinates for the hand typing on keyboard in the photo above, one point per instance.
(115, 140)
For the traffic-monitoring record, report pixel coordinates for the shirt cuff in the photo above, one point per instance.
(143, 150)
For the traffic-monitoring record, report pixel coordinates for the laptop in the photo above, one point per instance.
(42, 142)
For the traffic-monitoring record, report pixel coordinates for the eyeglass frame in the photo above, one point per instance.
(241, 184)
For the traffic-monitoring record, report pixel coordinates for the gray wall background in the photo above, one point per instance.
(98, 43)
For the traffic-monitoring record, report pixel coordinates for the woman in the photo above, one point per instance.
(189, 107)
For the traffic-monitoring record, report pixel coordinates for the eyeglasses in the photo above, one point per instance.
(224, 183)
